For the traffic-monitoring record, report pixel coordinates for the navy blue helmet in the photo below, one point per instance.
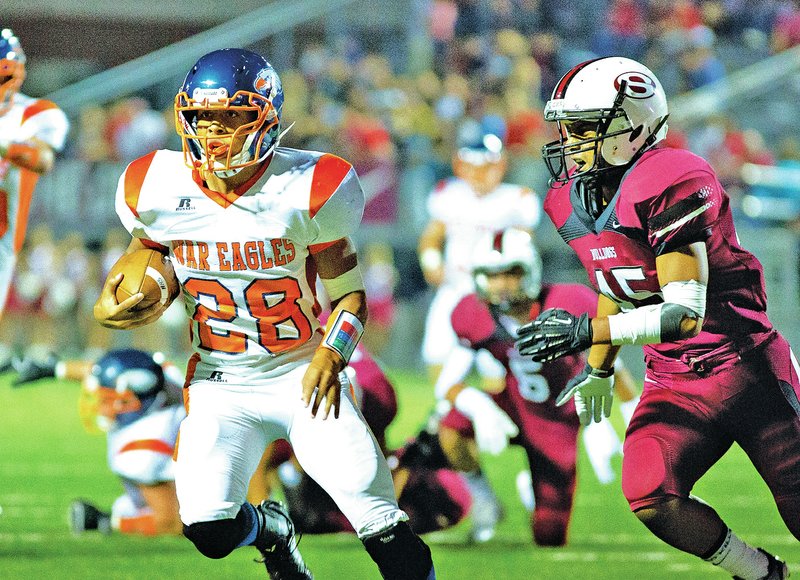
(122, 386)
(237, 80)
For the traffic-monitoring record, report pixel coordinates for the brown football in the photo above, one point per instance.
(149, 272)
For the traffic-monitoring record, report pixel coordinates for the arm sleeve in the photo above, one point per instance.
(684, 213)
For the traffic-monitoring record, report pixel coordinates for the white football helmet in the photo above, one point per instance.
(503, 252)
(625, 100)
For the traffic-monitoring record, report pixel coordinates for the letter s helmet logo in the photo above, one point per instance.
(639, 86)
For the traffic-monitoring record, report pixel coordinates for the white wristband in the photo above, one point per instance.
(430, 259)
(639, 326)
(343, 335)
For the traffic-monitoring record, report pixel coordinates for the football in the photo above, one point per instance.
(149, 272)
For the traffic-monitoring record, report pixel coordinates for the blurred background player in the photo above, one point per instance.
(507, 273)
(262, 218)
(434, 497)
(136, 399)
(463, 208)
(652, 225)
(31, 132)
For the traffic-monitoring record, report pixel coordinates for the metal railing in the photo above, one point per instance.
(175, 59)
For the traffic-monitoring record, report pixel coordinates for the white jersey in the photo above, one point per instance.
(141, 452)
(243, 260)
(25, 119)
(468, 216)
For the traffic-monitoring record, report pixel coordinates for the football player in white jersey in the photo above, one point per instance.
(248, 226)
(31, 132)
(464, 210)
(135, 397)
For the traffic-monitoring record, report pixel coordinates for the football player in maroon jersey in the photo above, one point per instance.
(653, 228)
(509, 293)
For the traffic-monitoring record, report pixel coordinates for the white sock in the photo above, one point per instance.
(739, 559)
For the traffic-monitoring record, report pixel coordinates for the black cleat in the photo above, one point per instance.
(84, 517)
(776, 568)
(277, 543)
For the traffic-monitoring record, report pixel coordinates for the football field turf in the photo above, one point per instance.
(46, 460)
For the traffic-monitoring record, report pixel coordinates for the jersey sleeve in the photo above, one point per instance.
(129, 189)
(336, 202)
(684, 213)
(43, 120)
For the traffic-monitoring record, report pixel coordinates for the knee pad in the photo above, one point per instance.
(644, 473)
(215, 539)
(400, 554)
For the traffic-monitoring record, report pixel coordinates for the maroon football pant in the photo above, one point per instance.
(685, 422)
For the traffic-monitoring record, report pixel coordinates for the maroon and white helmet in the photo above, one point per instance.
(503, 252)
(625, 100)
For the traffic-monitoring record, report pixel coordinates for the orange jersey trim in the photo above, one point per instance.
(148, 445)
(154, 245)
(329, 172)
(36, 108)
(317, 248)
(134, 178)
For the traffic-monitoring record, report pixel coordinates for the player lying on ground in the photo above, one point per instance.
(135, 398)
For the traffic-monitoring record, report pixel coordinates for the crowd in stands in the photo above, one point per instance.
(491, 65)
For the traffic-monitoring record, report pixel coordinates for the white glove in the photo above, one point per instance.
(594, 392)
(493, 428)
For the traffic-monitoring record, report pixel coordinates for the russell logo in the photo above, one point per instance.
(185, 204)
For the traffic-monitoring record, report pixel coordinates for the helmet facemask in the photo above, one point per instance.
(510, 252)
(101, 407)
(199, 151)
(628, 106)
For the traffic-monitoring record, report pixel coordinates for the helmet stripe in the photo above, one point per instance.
(561, 88)
(497, 243)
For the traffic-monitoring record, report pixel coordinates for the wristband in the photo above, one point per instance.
(343, 335)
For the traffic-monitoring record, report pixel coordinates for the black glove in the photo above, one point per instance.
(554, 333)
(31, 369)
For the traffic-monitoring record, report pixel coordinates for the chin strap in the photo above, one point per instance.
(245, 152)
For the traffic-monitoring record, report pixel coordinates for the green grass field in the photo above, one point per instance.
(46, 460)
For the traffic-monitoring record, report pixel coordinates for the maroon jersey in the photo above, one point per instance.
(529, 384)
(668, 199)
(548, 434)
